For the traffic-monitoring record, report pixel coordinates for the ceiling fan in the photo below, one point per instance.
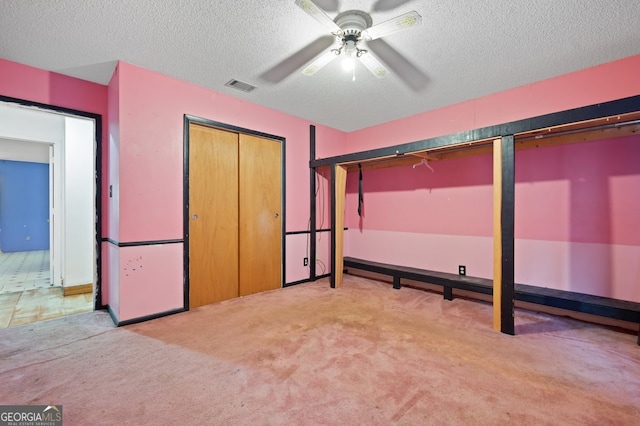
(351, 28)
(356, 36)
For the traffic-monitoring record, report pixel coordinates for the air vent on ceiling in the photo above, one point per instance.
(236, 84)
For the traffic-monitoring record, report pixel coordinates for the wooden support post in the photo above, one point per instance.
(503, 234)
(339, 186)
(312, 204)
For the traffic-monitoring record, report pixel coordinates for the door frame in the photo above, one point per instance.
(97, 129)
(191, 119)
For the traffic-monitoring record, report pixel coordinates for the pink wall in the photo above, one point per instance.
(587, 192)
(111, 276)
(591, 193)
(610, 81)
(142, 160)
(144, 140)
(150, 280)
(333, 142)
(408, 199)
(37, 85)
(151, 134)
(148, 179)
(575, 204)
(111, 175)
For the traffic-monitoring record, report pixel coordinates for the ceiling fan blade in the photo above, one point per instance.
(328, 5)
(399, 23)
(319, 15)
(384, 5)
(408, 72)
(373, 65)
(294, 62)
(316, 65)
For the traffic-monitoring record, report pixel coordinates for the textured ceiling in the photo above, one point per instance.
(466, 49)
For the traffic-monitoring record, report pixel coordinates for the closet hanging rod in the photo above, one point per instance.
(574, 131)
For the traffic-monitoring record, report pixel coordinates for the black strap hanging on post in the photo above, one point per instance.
(360, 197)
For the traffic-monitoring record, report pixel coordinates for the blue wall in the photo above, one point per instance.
(24, 206)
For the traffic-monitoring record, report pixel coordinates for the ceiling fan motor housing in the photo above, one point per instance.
(353, 22)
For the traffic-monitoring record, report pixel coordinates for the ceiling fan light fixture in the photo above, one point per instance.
(348, 63)
(350, 48)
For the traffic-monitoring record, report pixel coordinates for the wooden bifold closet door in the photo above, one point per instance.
(235, 225)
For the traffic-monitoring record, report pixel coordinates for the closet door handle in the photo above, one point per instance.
(194, 217)
(276, 215)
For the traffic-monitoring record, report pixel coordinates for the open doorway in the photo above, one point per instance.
(48, 221)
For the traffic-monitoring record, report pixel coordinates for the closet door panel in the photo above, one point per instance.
(260, 214)
(213, 210)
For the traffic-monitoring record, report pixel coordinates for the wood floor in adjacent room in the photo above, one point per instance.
(306, 355)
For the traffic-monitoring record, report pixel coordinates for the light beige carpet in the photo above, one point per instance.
(310, 355)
